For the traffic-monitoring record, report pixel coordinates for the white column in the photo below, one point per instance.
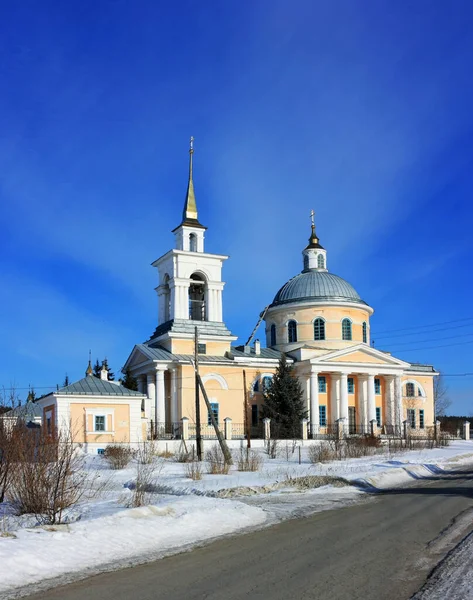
(335, 396)
(160, 403)
(371, 399)
(390, 417)
(314, 401)
(363, 400)
(174, 399)
(149, 411)
(398, 406)
(344, 397)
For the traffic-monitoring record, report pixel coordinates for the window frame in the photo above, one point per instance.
(347, 330)
(410, 386)
(351, 385)
(322, 415)
(411, 417)
(254, 415)
(421, 418)
(97, 429)
(217, 411)
(379, 420)
(292, 331)
(266, 382)
(322, 381)
(272, 335)
(377, 386)
(319, 323)
(320, 261)
(365, 332)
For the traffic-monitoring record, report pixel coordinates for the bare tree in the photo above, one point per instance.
(441, 397)
(9, 398)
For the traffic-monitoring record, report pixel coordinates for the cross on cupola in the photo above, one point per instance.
(315, 255)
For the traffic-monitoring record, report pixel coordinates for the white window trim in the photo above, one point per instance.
(99, 412)
(416, 385)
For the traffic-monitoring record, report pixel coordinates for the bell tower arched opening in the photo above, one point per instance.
(197, 298)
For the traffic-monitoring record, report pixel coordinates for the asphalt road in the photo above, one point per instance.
(382, 549)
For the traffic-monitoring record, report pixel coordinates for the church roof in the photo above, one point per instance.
(26, 412)
(316, 286)
(93, 386)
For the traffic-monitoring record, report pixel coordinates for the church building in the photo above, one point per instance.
(316, 319)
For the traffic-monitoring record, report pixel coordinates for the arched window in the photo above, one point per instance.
(410, 390)
(273, 335)
(192, 242)
(266, 382)
(197, 308)
(365, 333)
(346, 329)
(319, 329)
(292, 331)
(320, 261)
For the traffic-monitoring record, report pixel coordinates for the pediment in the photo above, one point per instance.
(136, 358)
(362, 355)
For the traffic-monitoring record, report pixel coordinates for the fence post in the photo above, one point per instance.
(304, 427)
(437, 430)
(373, 428)
(185, 428)
(228, 428)
(405, 429)
(267, 428)
(466, 430)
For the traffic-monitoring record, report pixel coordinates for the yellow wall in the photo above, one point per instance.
(305, 324)
(427, 404)
(187, 347)
(359, 357)
(121, 422)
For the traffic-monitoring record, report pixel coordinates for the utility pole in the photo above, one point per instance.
(198, 434)
(247, 419)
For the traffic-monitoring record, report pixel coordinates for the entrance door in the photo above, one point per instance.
(351, 420)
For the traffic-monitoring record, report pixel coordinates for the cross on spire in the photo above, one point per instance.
(312, 215)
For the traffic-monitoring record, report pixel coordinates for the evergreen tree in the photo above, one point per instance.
(66, 381)
(283, 402)
(128, 380)
(111, 374)
(97, 368)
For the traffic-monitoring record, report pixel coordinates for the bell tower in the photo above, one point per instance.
(190, 285)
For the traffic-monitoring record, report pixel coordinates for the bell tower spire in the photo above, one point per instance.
(190, 233)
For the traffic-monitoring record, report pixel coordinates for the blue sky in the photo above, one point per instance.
(360, 110)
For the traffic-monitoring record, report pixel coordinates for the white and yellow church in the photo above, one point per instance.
(316, 319)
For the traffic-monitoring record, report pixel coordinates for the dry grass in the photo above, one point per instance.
(216, 464)
(193, 470)
(249, 460)
(118, 456)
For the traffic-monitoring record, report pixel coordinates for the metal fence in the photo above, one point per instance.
(164, 431)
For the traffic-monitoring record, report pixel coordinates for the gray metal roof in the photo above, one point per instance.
(93, 386)
(419, 367)
(316, 287)
(265, 353)
(26, 412)
(187, 326)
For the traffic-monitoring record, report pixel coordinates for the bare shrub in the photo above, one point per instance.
(165, 454)
(118, 456)
(216, 464)
(8, 437)
(193, 470)
(249, 460)
(146, 452)
(321, 453)
(146, 478)
(367, 445)
(48, 476)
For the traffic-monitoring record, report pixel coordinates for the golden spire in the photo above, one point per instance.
(313, 240)
(89, 370)
(190, 206)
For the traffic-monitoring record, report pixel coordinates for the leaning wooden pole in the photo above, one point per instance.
(247, 418)
(198, 432)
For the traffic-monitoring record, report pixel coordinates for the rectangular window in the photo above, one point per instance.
(214, 409)
(410, 390)
(377, 386)
(421, 419)
(99, 423)
(351, 385)
(411, 417)
(378, 416)
(49, 426)
(202, 348)
(322, 385)
(322, 415)
(254, 415)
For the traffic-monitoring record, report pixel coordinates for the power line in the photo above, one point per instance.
(382, 337)
(424, 326)
(449, 337)
(430, 347)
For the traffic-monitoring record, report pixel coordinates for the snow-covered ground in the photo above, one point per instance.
(104, 534)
